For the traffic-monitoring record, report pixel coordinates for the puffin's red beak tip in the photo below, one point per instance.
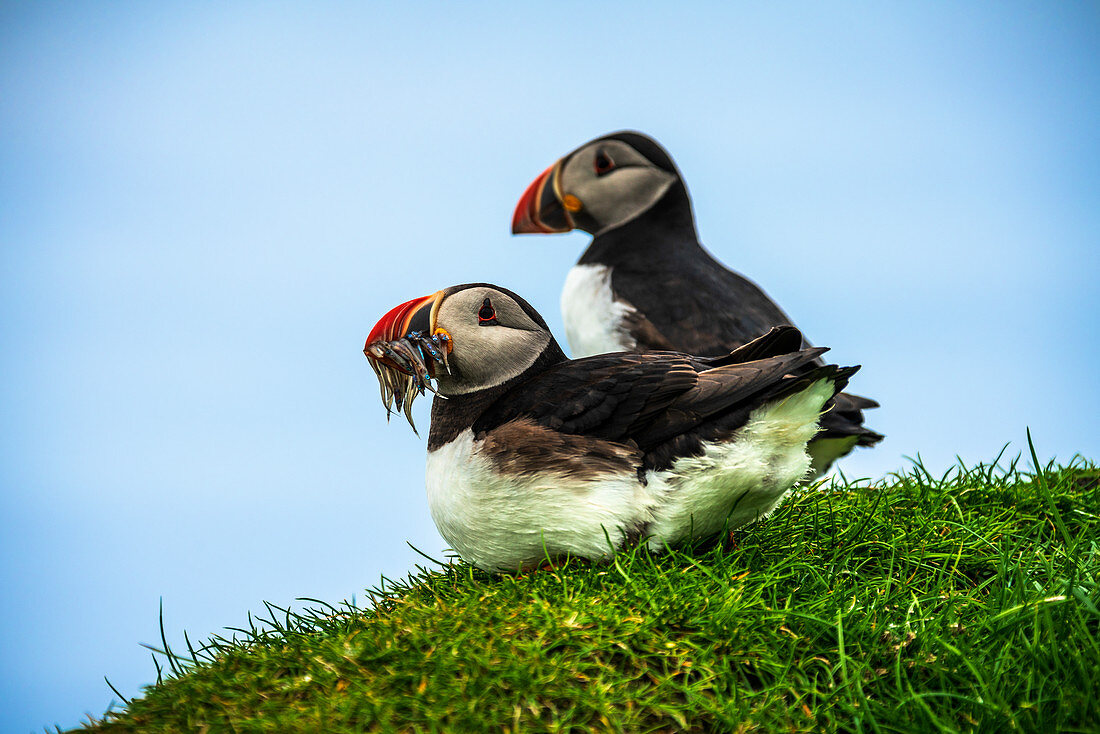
(525, 220)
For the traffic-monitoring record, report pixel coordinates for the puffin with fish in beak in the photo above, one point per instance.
(645, 282)
(534, 457)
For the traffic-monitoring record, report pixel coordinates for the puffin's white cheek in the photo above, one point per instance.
(491, 357)
(619, 197)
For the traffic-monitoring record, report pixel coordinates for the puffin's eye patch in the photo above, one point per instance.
(603, 163)
(487, 315)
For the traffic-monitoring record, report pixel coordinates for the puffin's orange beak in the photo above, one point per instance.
(417, 315)
(540, 209)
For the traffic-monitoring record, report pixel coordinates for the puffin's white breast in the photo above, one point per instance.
(505, 521)
(593, 318)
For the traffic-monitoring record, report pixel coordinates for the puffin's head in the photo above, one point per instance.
(599, 186)
(467, 338)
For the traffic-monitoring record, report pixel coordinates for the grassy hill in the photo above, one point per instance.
(960, 603)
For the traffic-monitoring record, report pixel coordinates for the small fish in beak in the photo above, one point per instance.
(404, 349)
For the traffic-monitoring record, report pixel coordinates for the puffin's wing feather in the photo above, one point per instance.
(717, 390)
(609, 396)
(778, 340)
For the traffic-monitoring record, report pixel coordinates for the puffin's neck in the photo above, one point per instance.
(454, 414)
(663, 232)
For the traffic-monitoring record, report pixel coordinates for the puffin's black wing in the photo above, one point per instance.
(844, 416)
(777, 340)
(652, 399)
(608, 396)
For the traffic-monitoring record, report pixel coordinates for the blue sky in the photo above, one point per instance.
(205, 207)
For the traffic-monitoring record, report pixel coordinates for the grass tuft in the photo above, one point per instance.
(965, 602)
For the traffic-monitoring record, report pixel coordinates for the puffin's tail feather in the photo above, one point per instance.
(845, 419)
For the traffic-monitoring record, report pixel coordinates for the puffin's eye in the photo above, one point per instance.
(603, 163)
(487, 315)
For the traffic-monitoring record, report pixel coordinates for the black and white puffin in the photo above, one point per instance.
(532, 455)
(645, 282)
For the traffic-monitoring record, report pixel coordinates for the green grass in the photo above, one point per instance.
(966, 602)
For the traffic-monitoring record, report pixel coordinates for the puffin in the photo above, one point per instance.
(534, 457)
(645, 282)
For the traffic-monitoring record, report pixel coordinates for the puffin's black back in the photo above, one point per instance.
(696, 303)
